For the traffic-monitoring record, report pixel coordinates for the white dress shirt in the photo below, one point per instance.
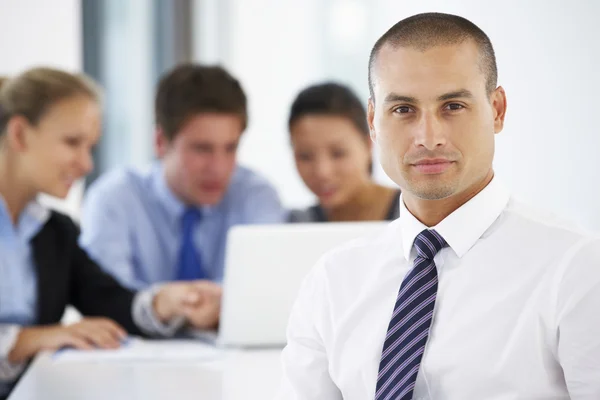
(516, 315)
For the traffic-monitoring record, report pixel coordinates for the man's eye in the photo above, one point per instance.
(402, 110)
(454, 106)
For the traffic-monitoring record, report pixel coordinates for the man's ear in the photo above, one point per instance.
(370, 118)
(161, 142)
(498, 100)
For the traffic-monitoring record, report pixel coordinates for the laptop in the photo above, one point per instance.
(265, 266)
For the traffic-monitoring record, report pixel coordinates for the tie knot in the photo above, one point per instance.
(428, 243)
(191, 216)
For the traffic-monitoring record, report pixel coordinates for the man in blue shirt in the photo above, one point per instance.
(170, 221)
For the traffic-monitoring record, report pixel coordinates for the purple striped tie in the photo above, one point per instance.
(409, 327)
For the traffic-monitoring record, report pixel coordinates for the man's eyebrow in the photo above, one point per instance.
(462, 93)
(394, 97)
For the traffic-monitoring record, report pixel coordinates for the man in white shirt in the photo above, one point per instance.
(468, 295)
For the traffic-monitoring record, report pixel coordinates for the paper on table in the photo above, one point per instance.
(136, 349)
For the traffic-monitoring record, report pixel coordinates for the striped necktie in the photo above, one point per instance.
(410, 324)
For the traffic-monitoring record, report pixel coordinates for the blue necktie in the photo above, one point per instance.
(190, 261)
(410, 324)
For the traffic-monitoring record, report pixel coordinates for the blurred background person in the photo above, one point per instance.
(170, 221)
(49, 121)
(332, 150)
(128, 46)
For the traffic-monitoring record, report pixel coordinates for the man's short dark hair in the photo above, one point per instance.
(424, 31)
(192, 89)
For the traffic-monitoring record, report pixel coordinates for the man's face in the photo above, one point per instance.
(433, 120)
(200, 161)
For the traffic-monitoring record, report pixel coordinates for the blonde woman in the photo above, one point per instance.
(49, 121)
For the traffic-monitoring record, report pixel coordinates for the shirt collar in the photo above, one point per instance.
(464, 226)
(33, 217)
(174, 206)
(165, 195)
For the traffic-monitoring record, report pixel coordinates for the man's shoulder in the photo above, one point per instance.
(542, 221)
(246, 179)
(372, 248)
(120, 182)
(572, 249)
(548, 233)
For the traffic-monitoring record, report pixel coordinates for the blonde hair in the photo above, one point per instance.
(32, 93)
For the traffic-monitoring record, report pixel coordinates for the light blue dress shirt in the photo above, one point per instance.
(131, 223)
(18, 278)
(18, 288)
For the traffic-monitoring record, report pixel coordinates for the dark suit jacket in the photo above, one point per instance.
(66, 275)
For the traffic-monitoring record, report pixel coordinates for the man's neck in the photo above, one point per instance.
(432, 212)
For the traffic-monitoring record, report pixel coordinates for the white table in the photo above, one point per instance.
(237, 375)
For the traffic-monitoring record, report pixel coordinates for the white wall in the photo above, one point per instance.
(548, 55)
(274, 53)
(127, 68)
(42, 32)
(35, 32)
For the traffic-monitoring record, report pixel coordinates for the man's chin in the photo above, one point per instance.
(432, 191)
(209, 199)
